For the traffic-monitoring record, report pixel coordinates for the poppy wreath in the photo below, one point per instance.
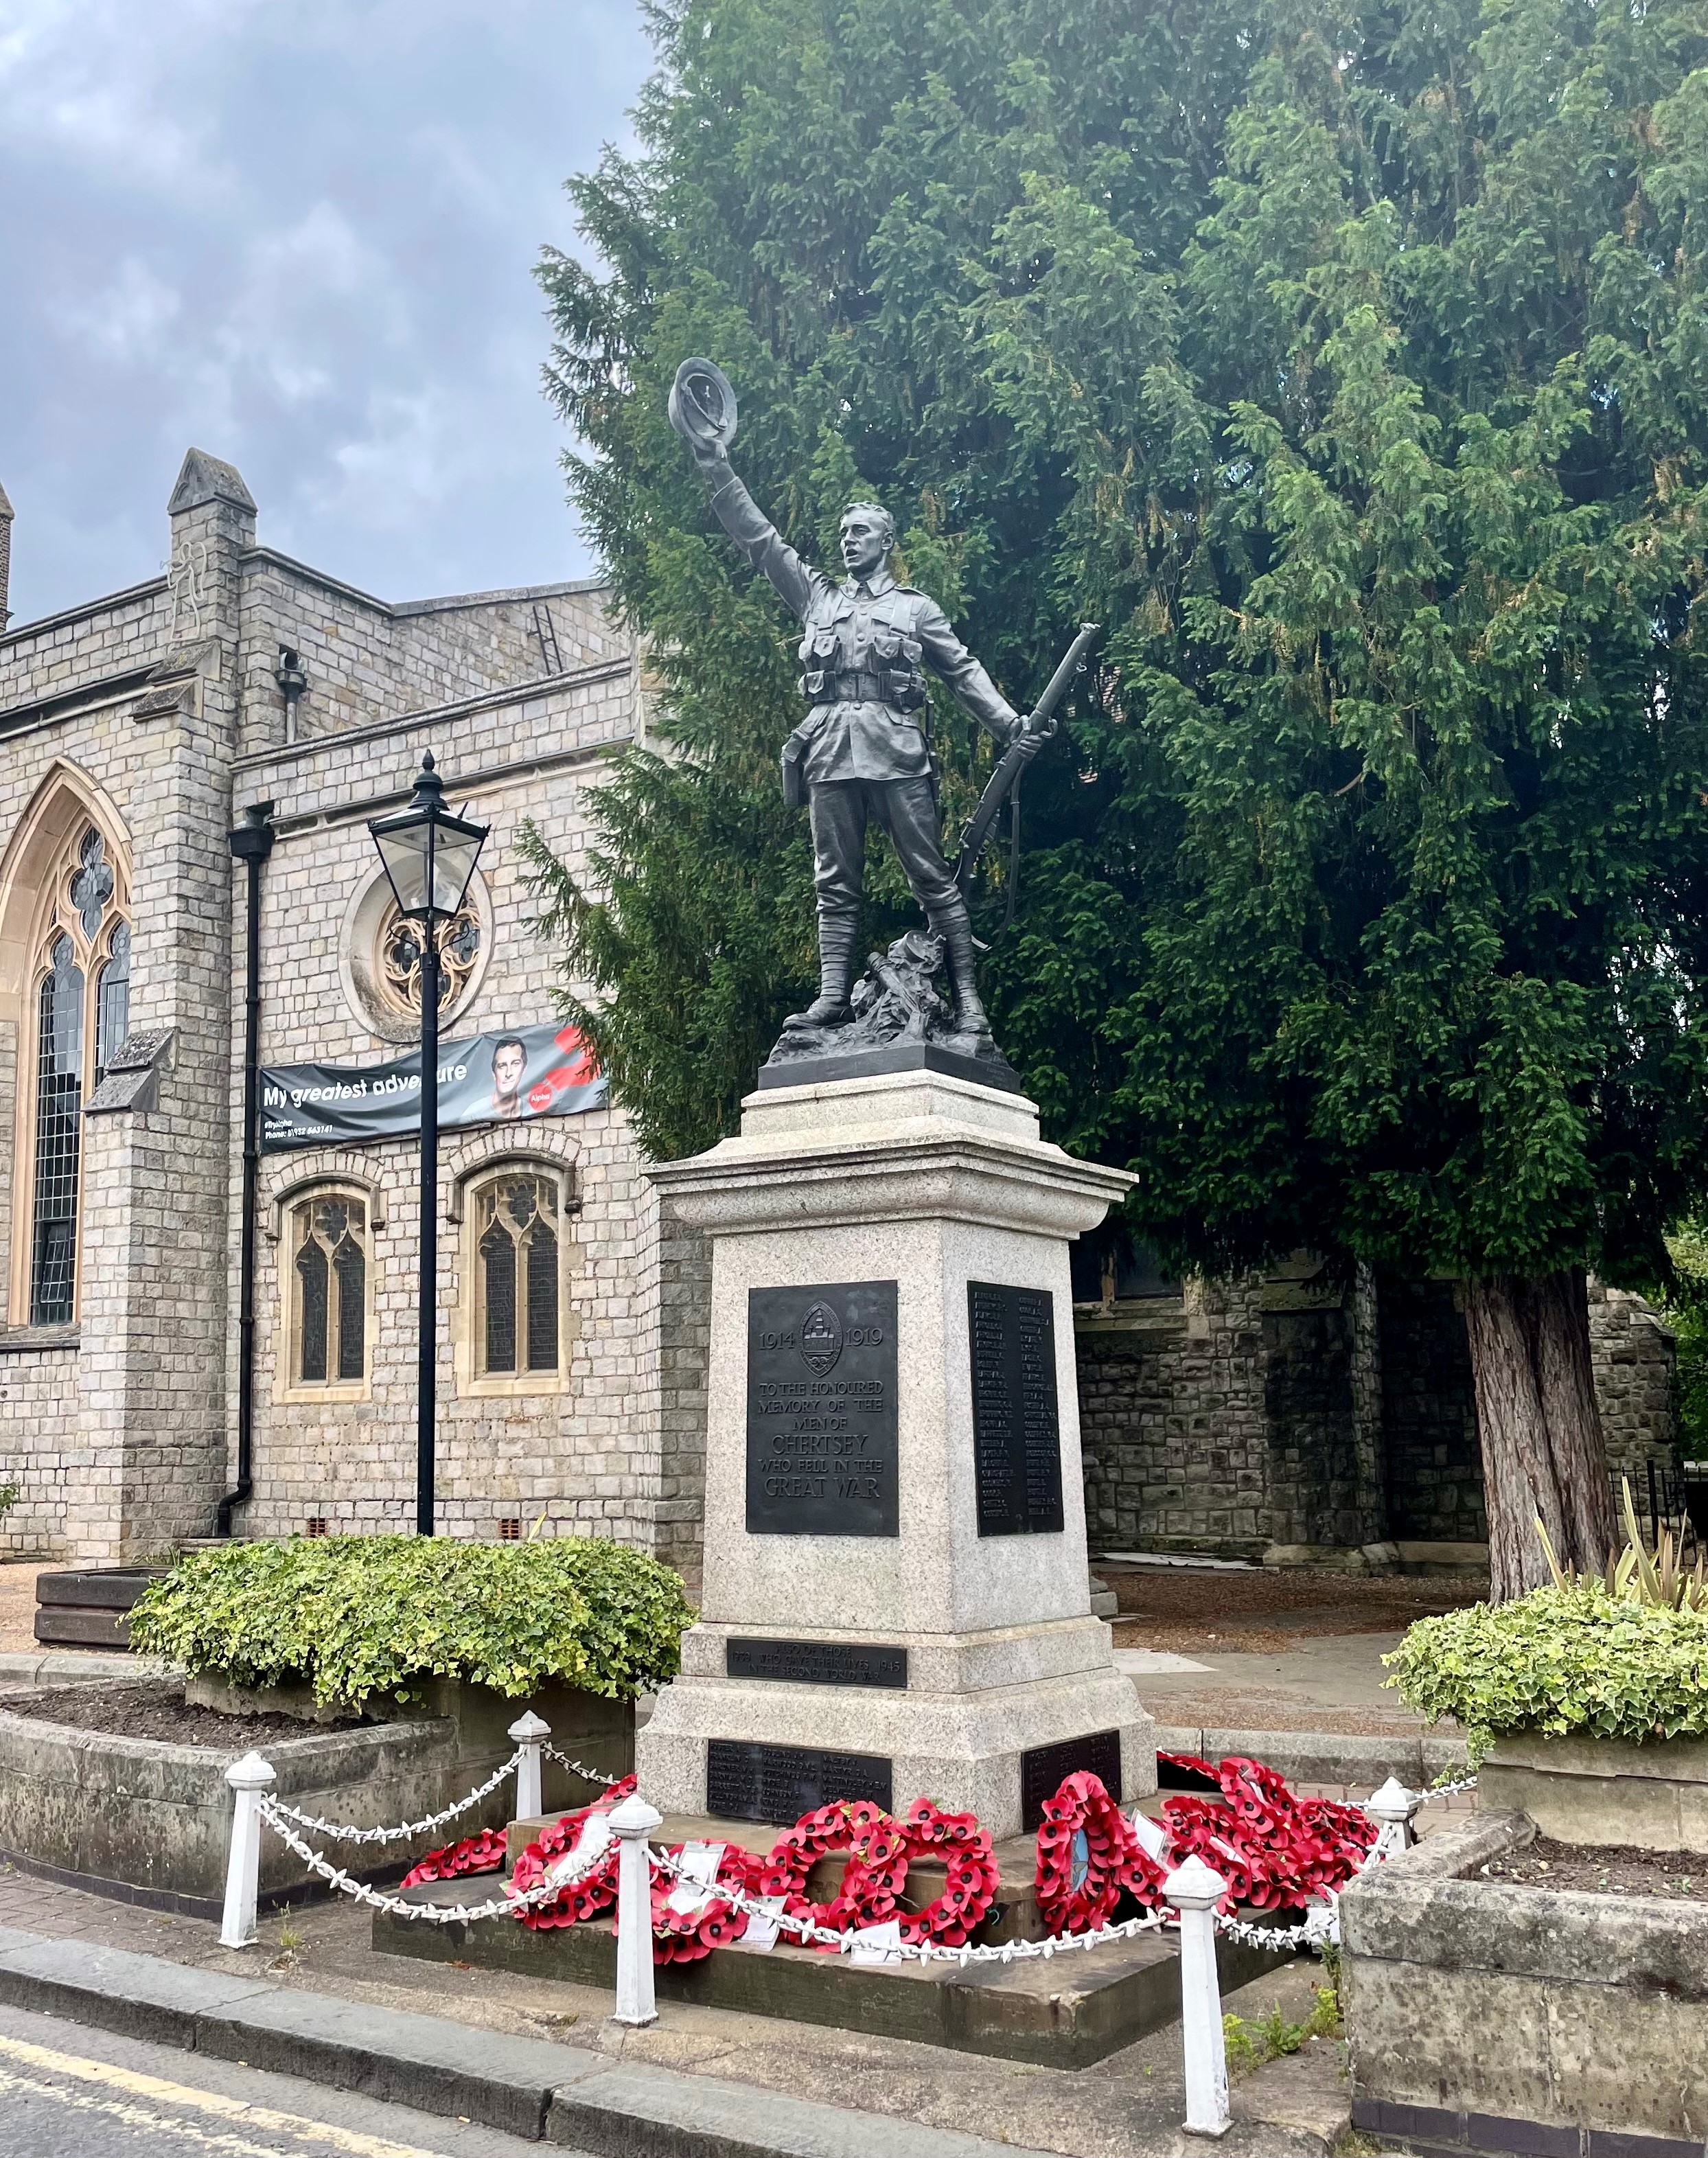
(970, 1888)
(871, 1881)
(686, 1936)
(1115, 1859)
(484, 1853)
(595, 1892)
(1275, 1850)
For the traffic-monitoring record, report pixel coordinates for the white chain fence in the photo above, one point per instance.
(277, 1811)
(1320, 1926)
(1193, 1890)
(564, 1874)
(579, 1768)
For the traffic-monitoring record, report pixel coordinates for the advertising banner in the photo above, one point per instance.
(489, 1079)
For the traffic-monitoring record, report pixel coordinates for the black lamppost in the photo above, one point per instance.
(429, 856)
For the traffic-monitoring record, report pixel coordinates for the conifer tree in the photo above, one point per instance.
(1350, 363)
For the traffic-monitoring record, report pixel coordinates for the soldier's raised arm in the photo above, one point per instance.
(946, 656)
(753, 532)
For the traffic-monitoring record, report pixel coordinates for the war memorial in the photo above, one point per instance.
(895, 1589)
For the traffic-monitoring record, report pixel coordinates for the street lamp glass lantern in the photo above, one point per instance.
(428, 854)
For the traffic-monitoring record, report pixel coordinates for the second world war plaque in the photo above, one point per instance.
(821, 1411)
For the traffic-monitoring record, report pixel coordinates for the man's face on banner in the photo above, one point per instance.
(509, 1062)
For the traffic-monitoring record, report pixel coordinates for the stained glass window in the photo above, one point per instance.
(518, 1250)
(58, 1110)
(112, 999)
(401, 941)
(81, 1006)
(330, 1259)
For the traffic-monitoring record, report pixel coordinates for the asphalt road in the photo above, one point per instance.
(69, 2092)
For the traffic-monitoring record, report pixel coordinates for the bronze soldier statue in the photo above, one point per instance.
(861, 752)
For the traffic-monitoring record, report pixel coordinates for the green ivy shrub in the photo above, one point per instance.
(354, 1616)
(1559, 1661)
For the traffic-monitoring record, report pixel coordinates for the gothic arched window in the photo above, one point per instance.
(329, 1285)
(82, 1009)
(517, 1255)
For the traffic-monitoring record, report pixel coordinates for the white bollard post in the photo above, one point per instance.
(1392, 1809)
(248, 1778)
(1195, 1889)
(530, 1732)
(632, 1823)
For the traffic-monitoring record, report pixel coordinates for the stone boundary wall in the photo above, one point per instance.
(1287, 1419)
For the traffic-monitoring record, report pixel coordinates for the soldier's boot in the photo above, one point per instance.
(956, 931)
(837, 934)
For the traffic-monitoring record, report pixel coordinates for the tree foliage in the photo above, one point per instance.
(1350, 363)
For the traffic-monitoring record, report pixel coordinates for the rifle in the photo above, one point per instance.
(1014, 761)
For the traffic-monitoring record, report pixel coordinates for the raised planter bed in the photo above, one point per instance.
(147, 1820)
(1601, 1791)
(1494, 2016)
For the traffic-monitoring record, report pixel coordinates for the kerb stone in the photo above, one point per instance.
(139, 1996)
(419, 2061)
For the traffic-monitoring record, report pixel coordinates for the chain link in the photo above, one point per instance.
(545, 1891)
(340, 1832)
(576, 1768)
(1447, 1790)
(805, 1929)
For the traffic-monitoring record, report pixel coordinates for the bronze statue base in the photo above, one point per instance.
(900, 1023)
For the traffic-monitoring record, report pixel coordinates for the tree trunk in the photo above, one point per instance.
(1543, 1452)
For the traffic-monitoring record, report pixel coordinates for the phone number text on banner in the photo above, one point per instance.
(489, 1079)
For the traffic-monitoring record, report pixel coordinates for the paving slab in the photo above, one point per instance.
(637, 2112)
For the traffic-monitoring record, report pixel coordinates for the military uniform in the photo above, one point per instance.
(861, 751)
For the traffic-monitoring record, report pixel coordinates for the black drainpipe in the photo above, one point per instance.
(251, 842)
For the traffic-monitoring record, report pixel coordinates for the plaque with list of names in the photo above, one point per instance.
(817, 1663)
(821, 1411)
(1044, 1769)
(749, 1780)
(1016, 1429)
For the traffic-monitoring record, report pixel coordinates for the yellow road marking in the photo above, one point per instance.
(136, 2085)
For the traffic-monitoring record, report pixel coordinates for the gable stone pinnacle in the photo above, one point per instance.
(202, 478)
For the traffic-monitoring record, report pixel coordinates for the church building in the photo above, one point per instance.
(244, 689)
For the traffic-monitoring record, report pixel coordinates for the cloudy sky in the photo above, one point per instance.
(298, 234)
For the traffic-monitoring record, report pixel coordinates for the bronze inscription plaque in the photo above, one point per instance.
(1016, 1433)
(821, 1411)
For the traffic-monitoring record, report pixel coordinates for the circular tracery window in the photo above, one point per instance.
(402, 943)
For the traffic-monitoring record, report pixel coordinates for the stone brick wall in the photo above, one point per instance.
(1429, 1415)
(1172, 1423)
(69, 651)
(1292, 1419)
(1637, 1384)
(608, 1453)
(367, 661)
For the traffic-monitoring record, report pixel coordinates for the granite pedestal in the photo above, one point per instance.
(896, 1571)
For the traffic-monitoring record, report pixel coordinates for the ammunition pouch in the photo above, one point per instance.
(794, 773)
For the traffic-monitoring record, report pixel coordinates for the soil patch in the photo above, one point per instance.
(1268, 1610)
(156, 1708)
(1614, 1870)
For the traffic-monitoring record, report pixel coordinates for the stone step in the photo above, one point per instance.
(1071, 2011)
